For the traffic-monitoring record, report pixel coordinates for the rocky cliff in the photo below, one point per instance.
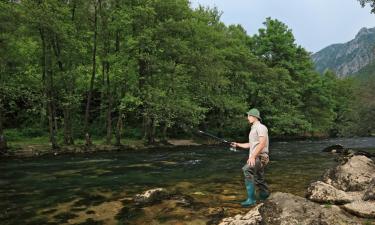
(348, 58)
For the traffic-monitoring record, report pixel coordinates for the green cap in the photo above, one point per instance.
(254, 112)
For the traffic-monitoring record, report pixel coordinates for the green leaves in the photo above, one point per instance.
(163, 65)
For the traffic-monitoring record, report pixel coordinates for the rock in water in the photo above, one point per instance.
(354, 175)
(334, 148)
(151, 196)
(357, 174)
(367, 154)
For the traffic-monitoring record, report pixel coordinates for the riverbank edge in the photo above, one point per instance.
(38, 150)
(45, 149)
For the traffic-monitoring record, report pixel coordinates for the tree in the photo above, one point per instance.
(370, 2)
(365, 107)
(93, 70)
(156, 69)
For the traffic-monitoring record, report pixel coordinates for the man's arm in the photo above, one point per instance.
(257, 150)
(241, 145)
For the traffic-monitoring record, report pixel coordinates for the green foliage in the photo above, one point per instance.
(24, 133)
(162, 69)
(275, 44)
(365, 107)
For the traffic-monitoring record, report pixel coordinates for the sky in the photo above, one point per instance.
(316, 24)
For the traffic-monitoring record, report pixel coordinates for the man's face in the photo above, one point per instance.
(251, 119)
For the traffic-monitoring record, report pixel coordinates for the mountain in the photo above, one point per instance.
(348, 58)
(366, 73)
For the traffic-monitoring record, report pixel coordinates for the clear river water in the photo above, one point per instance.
(98, 188)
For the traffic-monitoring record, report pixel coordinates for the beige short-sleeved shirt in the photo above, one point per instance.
(258, 130)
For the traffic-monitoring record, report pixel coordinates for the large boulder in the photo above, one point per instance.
(326, 193)
(354, 175)
(352, 182)
(370, 191)
(286, 209)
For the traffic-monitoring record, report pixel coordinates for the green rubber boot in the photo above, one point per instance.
(250, 194)
(263, 195)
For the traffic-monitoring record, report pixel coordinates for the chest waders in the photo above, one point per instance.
(254, 176)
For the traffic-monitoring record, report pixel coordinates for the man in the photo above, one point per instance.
(258, 158)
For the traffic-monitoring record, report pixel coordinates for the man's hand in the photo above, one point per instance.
(233, 144)
(251, 161)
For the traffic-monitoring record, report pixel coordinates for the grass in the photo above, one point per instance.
(328, 205)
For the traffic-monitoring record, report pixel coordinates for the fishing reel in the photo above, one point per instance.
(233, 149)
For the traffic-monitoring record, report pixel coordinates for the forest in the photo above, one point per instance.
(151, 70)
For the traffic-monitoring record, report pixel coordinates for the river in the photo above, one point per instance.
(98, 188)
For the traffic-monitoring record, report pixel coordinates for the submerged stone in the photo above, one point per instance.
(90, 221)
(64, 217)
(151, 196)
(89, 200)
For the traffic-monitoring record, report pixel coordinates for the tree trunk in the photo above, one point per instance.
(56, 49)
(150, 131)
(102, 93)
(164, 134)
(3, 143)
(153, 132)
(109, 107)
(52, 93)
(51, 102)
(119, 124)
(68, 127)
(47, 83)
(68, 131)
(89, 96)
(119, 127)
(142, 64)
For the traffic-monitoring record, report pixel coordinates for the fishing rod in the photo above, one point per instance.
(214, 137)
(231, 148)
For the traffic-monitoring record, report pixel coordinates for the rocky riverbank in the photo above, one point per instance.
(344, 195)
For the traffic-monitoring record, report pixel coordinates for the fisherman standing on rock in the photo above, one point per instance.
(258, 158)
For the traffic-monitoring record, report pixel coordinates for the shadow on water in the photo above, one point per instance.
(98, 189)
